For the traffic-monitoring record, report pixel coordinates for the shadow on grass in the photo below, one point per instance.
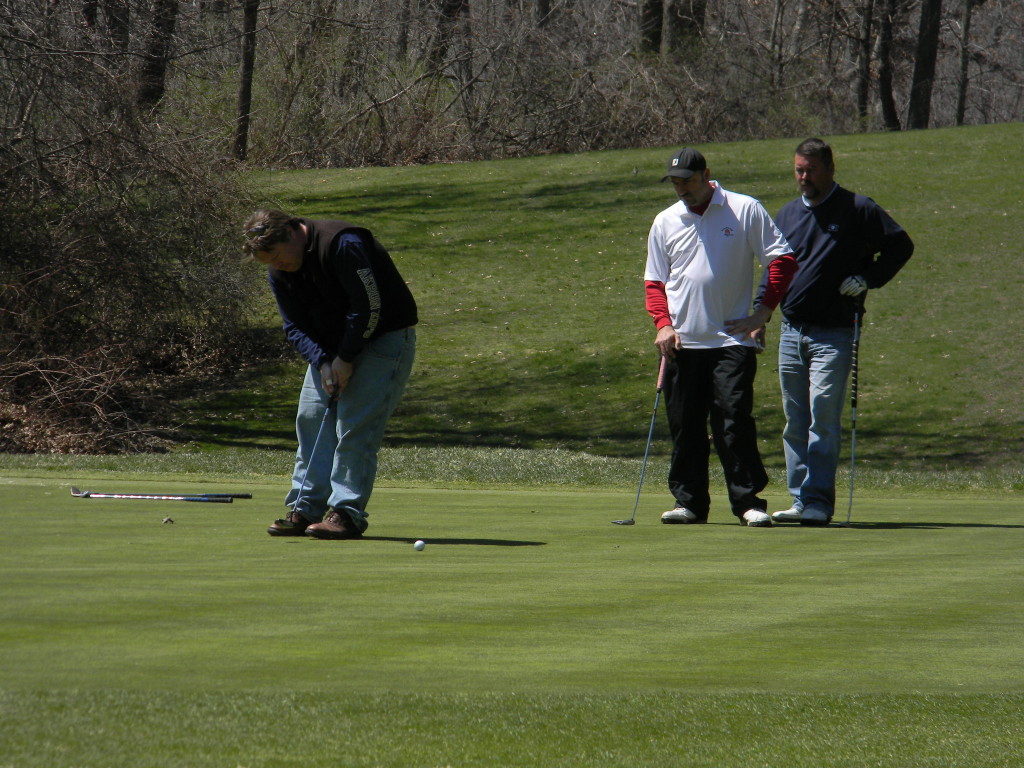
(440, 542)
(473, 542)
(922, 525)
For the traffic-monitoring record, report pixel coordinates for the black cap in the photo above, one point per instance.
(685, 163)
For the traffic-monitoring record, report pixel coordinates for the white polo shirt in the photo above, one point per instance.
(707, 264)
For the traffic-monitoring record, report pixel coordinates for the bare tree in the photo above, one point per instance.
(117, 275)
(652, 14)
(402, 27)
(401, 81)
(448, 15)
(117, 16)
(542, 11)
(153, 72)
(250, 11)
(683, 24)
(922, 83)
(864, 48)
(887, 102)
(965, 42)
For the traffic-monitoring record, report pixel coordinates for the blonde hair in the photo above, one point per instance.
(265, 229)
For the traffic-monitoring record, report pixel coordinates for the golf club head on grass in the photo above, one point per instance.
(647, 450)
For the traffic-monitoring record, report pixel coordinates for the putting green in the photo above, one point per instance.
(515, 591)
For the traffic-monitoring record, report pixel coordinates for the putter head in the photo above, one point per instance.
(623, 522)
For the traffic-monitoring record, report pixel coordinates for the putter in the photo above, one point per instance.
(647, 450)
(312, 451)
(853, 409)
(219, 498)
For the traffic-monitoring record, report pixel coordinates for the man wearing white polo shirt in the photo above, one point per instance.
(699, 284)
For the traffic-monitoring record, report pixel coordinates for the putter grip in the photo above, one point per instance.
(661, 375)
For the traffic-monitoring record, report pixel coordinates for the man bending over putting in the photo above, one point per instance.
(350, 315)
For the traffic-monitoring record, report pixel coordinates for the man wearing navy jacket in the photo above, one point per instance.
(349, 313)
(845, 244)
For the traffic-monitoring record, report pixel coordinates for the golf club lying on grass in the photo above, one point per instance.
(217, 498)
(647, 450)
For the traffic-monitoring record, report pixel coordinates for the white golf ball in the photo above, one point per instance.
(419, 545)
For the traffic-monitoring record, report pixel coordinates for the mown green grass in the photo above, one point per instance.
(533, 334)
(490, 468)
(530, 631)
(259, 730)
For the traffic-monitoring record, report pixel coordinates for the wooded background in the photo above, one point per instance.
(128, 128)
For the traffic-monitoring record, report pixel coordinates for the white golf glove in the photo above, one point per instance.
(853, 286)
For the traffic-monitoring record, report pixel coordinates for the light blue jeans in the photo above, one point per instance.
(342, 471)
(814, 364)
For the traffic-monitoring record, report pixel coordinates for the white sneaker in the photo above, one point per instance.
(680, 515)
(791, 515)
(815, 517)
(757, 518)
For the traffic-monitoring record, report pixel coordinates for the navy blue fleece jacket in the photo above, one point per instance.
(347, 292)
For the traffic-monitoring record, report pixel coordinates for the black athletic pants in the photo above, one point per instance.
(715, 384)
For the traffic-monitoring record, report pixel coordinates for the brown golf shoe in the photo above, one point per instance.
(335, 525)
(292, 524)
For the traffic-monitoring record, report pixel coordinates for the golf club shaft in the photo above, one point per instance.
(312, 451)
(650, 435)
(155, 497)
(853, 405)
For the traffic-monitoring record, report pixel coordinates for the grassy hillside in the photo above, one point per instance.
(533, 332)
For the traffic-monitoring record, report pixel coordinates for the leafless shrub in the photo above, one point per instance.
(118, 273)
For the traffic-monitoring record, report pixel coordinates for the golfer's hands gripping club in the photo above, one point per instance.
(667, 341)
(334, 376)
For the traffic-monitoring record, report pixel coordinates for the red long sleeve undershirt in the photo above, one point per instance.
(780, 275)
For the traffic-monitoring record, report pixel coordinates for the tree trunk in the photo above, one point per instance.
(683, 24)
(965, 39)
(402, 33)
(924, 65)
(250, 11)
(797, 33)
(117, 15)
(651, 13)
(890, 117)
(864, 63)
(153, 72)
(447, 23)
(542, 12)
(89, 12)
